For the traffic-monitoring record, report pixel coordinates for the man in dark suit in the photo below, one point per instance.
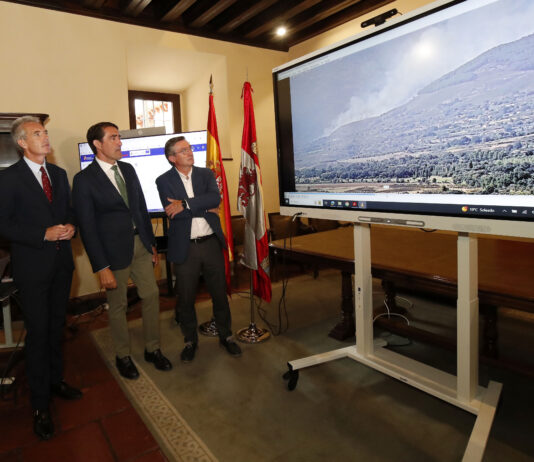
(118, 237)
(195, 241)
(36, 217)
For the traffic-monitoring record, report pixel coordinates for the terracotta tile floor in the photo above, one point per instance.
(102, 426)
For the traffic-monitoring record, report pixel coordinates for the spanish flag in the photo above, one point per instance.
(214, 162)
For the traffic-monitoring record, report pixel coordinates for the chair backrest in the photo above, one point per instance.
(319, 224)
(238, 229)
(281, 226)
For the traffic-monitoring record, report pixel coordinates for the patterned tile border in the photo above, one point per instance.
(176, 439)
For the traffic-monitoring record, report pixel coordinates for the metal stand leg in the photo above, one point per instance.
(461, 390)
(252, 333)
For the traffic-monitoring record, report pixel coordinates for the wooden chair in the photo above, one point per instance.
(281, 226)
(318, 224)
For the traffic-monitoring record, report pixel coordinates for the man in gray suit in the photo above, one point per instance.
(117, 234)
(195, 241)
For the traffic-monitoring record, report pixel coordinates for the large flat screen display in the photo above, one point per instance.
(431, 114)
(147, 155)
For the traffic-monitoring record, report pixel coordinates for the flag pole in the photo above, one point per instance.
(252, 333)
(209, 328)
(214, 161)
(250, 204)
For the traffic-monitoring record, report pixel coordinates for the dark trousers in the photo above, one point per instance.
(44, 305)
(204, 258)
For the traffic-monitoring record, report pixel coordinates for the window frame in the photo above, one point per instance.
(155, 96)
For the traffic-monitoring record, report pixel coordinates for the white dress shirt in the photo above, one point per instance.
(199, 226)
(36, 170)
(110, 173)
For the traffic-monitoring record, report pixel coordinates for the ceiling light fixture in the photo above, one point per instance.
(281, 31)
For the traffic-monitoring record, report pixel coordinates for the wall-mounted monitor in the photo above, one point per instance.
(147, 155)
(427, 120)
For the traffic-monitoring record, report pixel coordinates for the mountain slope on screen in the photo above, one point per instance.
(489, 99)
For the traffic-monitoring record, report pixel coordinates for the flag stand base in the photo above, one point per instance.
(253, 334)
(209, 328)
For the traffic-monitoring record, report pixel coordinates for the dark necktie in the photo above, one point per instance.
(120, 184)
(47, 187)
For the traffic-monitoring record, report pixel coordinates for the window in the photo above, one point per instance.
(149, 109)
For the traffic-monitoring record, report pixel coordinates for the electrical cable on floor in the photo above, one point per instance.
(389, 314)
(89, 316)
(277, 329)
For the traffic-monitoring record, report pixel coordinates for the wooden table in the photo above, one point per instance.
(423, 262)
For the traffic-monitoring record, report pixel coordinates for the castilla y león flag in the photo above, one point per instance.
(214, 162)
(250, 203)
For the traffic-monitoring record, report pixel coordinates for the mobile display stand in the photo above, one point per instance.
(461, 390)
(252, 333)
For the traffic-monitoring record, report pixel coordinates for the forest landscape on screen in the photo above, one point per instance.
(435, 115)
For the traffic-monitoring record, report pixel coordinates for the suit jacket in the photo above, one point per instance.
(25, 213)
(106, 223)
(206, 197)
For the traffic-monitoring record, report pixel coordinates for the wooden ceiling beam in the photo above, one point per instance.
(244, 16)
(135, 7)
(177, 10)
(94, 4)
(216, 9)
(361, 8)
(278, 20)
(322, 14)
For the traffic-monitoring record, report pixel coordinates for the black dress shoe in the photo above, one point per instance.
(231, 347)
(160, 361)
(126, 367)
(42, 424)
(188, 353)
(65, 391)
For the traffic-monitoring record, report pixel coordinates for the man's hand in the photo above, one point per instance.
(107, 279)
(155, 256)
(174, 208)
(54, 233)
(69, 232)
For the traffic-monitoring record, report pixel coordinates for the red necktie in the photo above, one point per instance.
(47, 187)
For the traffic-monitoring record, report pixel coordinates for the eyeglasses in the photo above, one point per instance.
(183, 151)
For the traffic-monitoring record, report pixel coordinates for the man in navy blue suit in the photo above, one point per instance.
(195, 241)
(117, 234)
(36, 217)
